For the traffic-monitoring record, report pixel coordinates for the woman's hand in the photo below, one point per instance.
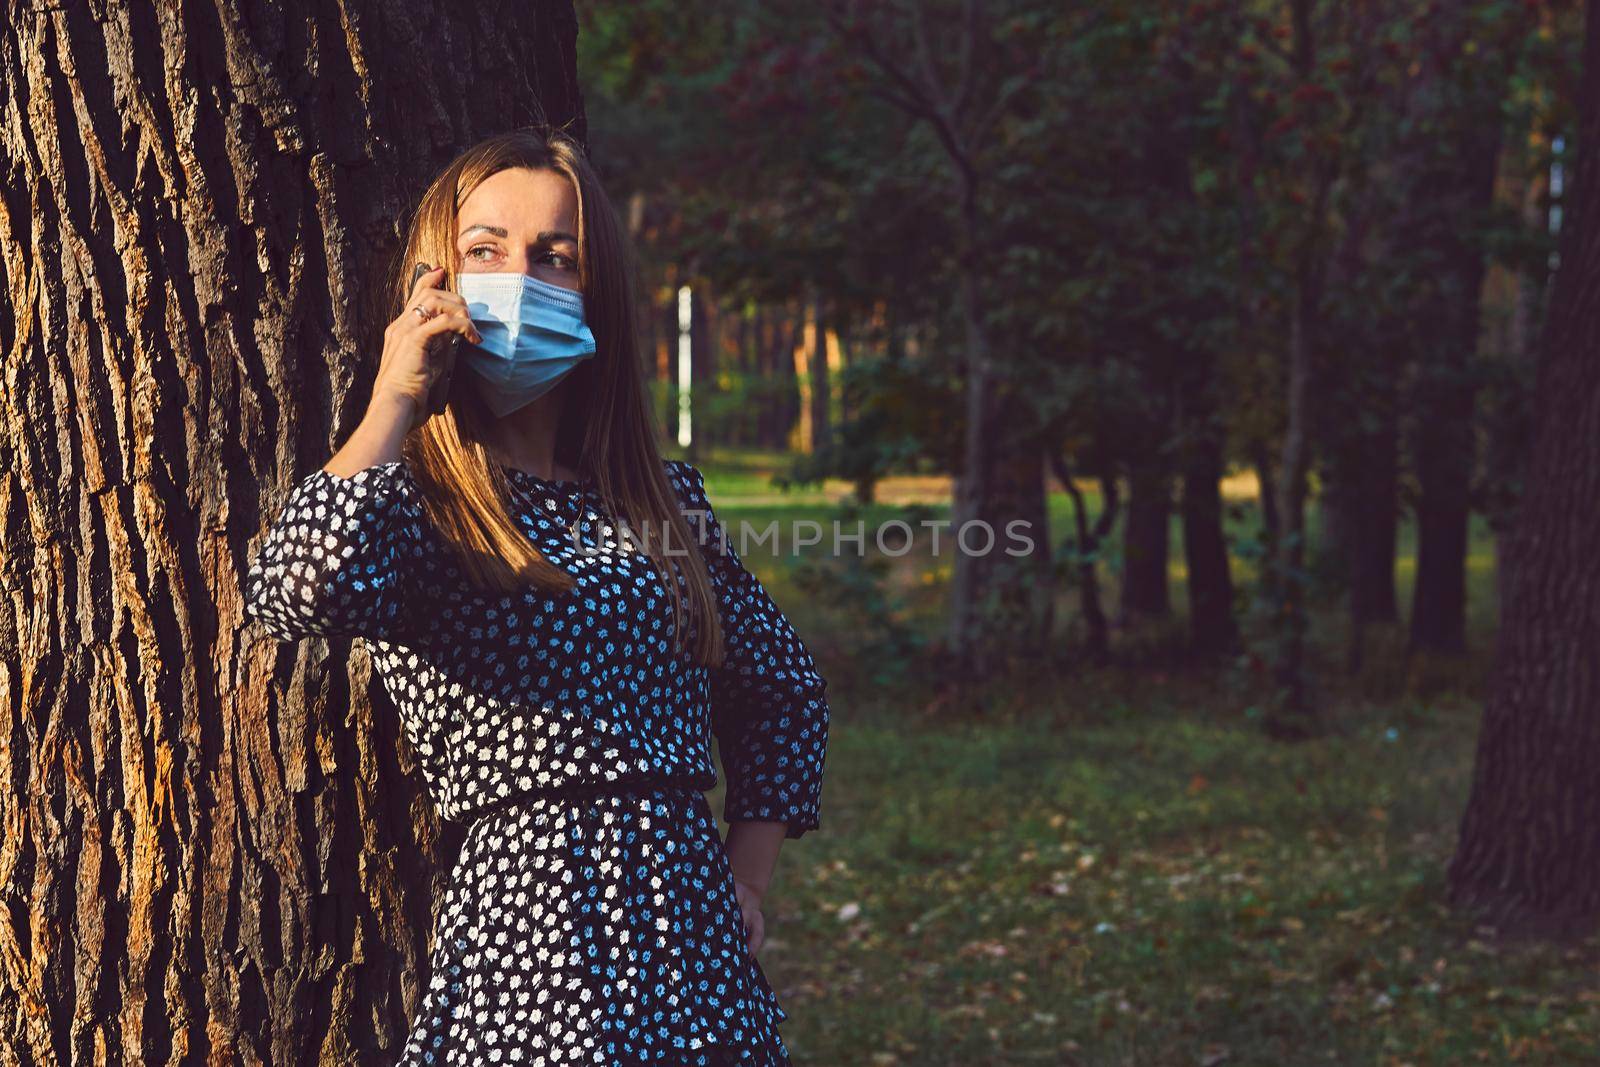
(750, 907)
(752, 848)
(412, 357)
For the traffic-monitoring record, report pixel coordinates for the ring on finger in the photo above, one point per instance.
(423, 313)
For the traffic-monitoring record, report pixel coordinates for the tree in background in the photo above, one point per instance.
(1528, 858)
(941, 64)
(1468, 56)
(210, 836)
(1217, 235)
(834, 155)
(1363, 238)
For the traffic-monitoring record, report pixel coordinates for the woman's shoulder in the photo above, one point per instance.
(680, 469)
(687, 480)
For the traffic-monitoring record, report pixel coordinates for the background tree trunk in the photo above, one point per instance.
(1457, 161)
(1294, 460)
(1001, 604)
(1528, 858)
(1145, 544)
(821, 380)
(702, 372)
(215, 846)
(1213, 630)
(1375, 531)
(1446, 442)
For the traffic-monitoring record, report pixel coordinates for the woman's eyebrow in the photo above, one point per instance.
(545, 236)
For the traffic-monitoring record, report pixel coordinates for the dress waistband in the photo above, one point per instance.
(585, 791)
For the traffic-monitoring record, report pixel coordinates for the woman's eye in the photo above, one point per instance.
(566, 262)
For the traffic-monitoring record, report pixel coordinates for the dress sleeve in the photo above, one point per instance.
(769, 713)
(335, 562)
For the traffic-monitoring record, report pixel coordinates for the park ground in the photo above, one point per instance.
(1114, 866)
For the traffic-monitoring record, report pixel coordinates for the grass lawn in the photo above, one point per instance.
(1114, 866)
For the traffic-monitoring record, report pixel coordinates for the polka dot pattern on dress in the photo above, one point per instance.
(591, 917)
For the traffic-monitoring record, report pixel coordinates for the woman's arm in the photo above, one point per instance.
(768, 713)
(768, 709)
(334, 562)
(378, 439)
(752, 848)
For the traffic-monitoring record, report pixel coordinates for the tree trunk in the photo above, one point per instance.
(802, 311)
(703, 433)
(217, 848)
(1288, 717)
(1085, 546)
(1266, 500)
(1528, 859)
(1375, 525)
(1145, 592)
(1167, 160)
(1001, 604)
(769, 365)
(1357, 506)
(821, 380)
(845, 338)
(740, 425)
(1330, 549)
(1446, 429)
(1011, 606)
(1510, 422)
(1457, 182)
(788, 332)
(1290, 582)
(1213, 630)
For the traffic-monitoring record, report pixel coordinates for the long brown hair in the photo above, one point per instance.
(606, 429)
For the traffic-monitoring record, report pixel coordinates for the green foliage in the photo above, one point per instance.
(888, 649)
(899, 419)
(1151, 183)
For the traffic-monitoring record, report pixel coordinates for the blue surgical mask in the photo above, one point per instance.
(534, 334)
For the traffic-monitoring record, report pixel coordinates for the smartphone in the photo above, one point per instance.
(440, 391)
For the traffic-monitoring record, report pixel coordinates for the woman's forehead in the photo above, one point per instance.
(520, 201)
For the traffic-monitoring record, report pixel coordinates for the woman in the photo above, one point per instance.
(563, 628)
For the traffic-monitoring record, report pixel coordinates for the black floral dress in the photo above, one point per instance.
(591, 916)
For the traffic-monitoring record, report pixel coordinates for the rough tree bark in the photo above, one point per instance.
(214, 850)
(1528, 858)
